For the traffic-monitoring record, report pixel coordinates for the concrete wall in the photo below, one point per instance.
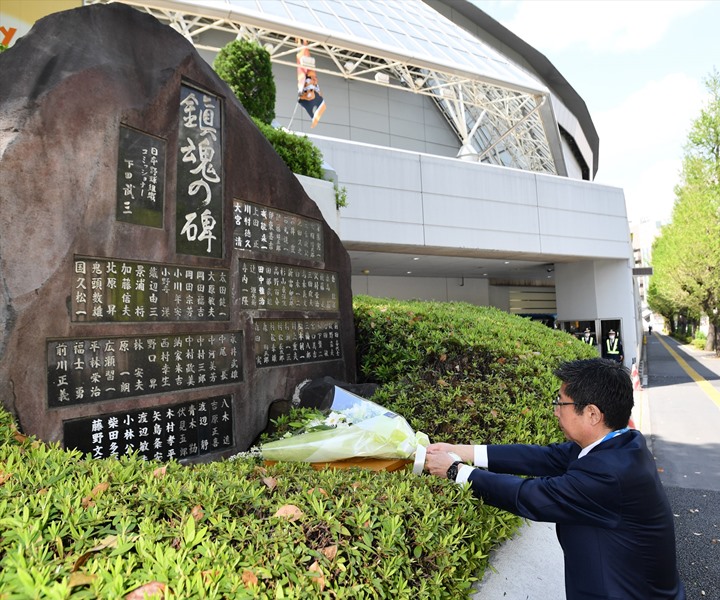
(440, 289)
(599, 289)
(400, 197)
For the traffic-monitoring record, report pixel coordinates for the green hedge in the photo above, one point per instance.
(297, 151)
(74, 527)
(463, 373)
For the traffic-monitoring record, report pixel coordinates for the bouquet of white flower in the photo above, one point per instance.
(354, 428)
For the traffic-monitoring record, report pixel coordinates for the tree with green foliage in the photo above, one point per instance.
(246, 68)
(662, 304)
(686, 256)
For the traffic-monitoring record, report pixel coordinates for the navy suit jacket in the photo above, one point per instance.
(614, 521)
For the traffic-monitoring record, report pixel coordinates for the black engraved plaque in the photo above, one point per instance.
(266, 229)
(140, 178)
(273, 286)
(110, 290)
(280, 342)
(91, 370)
(199, 175)
(168, 432)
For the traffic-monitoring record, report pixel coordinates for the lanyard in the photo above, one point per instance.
(613, 434)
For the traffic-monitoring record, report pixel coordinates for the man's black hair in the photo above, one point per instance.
(604, 383)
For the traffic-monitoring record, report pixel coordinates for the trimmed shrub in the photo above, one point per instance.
(246, 68)
(297, 151)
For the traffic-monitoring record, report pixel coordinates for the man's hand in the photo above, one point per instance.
(438, 462)
(466, 452)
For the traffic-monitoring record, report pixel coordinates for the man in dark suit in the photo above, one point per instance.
(614, 522)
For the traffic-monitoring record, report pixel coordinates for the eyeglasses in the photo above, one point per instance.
(557, 402)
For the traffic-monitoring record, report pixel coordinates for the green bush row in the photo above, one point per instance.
(74, 527)
(463, 373)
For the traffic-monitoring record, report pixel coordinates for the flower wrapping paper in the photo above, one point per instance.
(355, 428)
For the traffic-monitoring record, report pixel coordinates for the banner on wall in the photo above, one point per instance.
(308, 89)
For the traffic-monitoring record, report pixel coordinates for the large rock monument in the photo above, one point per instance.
(163, 276)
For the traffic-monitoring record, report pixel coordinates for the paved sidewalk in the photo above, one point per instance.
(527, 567)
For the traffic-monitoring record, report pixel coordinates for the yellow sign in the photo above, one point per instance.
(18, 16)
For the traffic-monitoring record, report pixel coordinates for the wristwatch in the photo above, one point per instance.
(453, 470)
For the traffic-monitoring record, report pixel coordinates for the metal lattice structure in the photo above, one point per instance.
(494, 107)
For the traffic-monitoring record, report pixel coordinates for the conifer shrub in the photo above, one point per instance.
(246, 67)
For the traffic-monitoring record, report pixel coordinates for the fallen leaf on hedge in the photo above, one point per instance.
(526, 411)
(197, 512)
(443, 357)
(19, 437)
(356, 485)
(442, 382)
(208, 575)
(261, 470)
(249, 578)
(4, 477)
(319, 490)
(78, 579)
(502, 360)
(160, 471)
(271, 482)
(330, 552)
(289, 512)
(43, 491)
(494, 413)
(320, 578)
(146, 591)
(87, 501)
(109, 542)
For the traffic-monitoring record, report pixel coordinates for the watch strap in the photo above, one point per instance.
(453, 470)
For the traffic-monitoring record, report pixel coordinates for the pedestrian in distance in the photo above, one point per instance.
(601, 488)
(613, 348)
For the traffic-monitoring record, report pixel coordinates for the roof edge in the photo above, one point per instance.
(538, 61)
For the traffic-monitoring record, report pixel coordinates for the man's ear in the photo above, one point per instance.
(596, 415)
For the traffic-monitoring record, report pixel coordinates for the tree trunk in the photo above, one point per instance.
(710, 341)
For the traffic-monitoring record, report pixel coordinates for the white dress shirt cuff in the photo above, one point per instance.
(464, 473)
(480, 456)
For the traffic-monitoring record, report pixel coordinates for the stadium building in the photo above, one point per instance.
(467, 158)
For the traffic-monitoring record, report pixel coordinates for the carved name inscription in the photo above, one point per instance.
(274, 286)
(262, 228)
(281, 342)
(91, 370)
(123, 290)
(160, 432)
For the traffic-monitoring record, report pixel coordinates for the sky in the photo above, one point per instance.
(639, 66)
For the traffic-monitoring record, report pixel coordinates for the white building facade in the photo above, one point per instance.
(467, 158)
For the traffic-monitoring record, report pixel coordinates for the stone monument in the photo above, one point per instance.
(163, 276)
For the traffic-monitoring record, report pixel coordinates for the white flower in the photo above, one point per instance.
(335, 419)
(253, 452)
